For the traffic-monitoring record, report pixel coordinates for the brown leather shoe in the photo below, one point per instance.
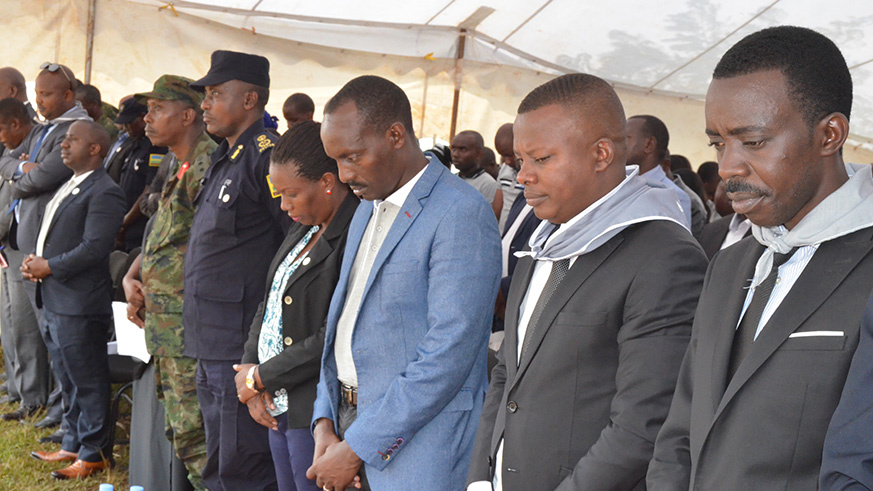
(59, 456)
(80, 470)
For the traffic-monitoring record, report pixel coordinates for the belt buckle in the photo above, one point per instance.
(349, 394)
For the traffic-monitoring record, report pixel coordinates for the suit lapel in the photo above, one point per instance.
(726, 325)
(830, 265)
(405, 218)
(288, 244)
(74, 195)
(576, 276)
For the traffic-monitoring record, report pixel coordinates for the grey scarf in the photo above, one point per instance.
(846, 210)
(632, 201)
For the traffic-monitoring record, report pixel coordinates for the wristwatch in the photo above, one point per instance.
(250, 378)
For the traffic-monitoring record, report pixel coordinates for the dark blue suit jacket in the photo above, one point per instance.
(77, 247)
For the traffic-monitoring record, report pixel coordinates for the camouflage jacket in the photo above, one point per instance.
(164, 251)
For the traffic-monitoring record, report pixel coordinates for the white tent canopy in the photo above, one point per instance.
(659, 55)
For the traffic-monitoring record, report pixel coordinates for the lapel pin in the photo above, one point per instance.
(306, 261)
(76, 191)
(407, 214)
(225, 198)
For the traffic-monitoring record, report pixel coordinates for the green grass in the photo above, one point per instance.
(19, 471)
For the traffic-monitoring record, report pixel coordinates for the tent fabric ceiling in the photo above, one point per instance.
(662, 47)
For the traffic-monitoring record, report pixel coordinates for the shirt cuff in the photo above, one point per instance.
(479, 486)
(19, 171)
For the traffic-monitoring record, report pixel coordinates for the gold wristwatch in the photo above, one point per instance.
(250, 378)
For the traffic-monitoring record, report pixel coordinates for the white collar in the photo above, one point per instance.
(78, 179)
(736, 221)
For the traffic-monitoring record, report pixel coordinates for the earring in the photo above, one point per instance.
(328, 191)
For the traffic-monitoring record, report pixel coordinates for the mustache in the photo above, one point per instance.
(738, 186)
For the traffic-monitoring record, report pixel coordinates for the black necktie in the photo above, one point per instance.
(745, 334)
(559, 271)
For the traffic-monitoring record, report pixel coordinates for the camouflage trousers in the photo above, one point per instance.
(175, 378)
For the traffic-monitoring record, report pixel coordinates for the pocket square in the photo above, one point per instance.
(810, 334)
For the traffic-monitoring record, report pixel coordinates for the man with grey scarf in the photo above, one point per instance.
(779, 315)
(600, 308)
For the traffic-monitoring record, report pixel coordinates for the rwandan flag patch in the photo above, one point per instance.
(273, 191)
(155, 159)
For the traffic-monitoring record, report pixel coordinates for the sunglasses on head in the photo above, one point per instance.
(53, 67)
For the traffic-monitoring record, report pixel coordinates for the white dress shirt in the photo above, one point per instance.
(384, 214)
(736, 230)
(68, 188)
(785, 279)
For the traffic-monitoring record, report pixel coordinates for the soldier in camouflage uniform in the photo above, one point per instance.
(174, 120)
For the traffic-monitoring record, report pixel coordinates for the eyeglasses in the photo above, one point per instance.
(53, 67)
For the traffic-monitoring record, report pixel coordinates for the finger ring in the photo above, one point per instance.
(325, 488)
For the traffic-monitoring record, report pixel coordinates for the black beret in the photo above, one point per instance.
(230, 65)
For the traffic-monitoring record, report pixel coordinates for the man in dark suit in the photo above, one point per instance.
(595, 325)
(70, 268)
(779, 315)
(724, 232)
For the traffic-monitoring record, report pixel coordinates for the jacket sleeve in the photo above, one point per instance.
(670, 467)
(105, 213)
(48, 175)
(847, 460)
(480, 467)
(658, 313)
(456, 338)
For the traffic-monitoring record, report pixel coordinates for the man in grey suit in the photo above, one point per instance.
(599, 312)
(29, 372)
(779, 315)
(36, 178)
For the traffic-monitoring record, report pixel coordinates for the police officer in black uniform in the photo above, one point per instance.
(135, 164)
(238, 226)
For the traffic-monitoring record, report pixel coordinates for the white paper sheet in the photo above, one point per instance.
(130, 338)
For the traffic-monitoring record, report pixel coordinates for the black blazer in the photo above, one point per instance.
(305, 303)
(714, 233)
(583, 411)
(77, 247)
(766, 428)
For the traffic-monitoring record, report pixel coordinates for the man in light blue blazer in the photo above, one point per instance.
(403, 374)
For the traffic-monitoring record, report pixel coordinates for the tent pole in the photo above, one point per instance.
(462, 41)
(89, 43)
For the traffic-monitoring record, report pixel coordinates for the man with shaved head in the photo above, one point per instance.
(39, 170)
(12, 85)
(70, 269)
(595, 330)
(468, 148)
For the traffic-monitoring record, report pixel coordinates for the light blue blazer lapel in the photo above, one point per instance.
(405, 218)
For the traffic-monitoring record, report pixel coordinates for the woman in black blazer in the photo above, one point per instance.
(279, 370)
